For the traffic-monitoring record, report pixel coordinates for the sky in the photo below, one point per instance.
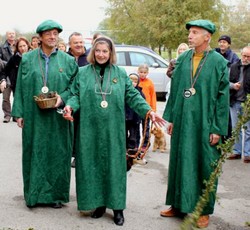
(74, 15)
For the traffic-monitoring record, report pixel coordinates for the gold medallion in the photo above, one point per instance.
(104, 104)
(45, 89)
(192, 90)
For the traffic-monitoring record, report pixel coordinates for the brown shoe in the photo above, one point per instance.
(203, 221)
(247, 159)
(171, 212)
(234, 156)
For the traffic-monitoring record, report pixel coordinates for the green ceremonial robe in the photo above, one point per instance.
(101, 156)
(194, 119)
(46, 135)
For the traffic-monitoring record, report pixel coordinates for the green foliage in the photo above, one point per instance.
(239, 27)
(158, 23)
(190, 221)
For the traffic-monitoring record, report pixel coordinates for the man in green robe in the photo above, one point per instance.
(197, 112)
(46, 136)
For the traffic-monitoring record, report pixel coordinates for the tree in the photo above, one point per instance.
(158, 23)
(238, 24)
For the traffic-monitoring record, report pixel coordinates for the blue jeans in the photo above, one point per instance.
(241, 145)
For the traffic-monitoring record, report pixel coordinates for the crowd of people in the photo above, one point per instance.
(99, 108)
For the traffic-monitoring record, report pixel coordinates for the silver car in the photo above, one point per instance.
(130, 57)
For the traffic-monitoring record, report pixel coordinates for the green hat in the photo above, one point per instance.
(205, 24)
(49, 25)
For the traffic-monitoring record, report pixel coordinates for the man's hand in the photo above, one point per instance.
(214, 139)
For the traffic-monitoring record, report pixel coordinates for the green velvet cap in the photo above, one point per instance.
(205, 24)
(49, 25)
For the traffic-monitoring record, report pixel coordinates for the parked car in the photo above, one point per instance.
(130, 57)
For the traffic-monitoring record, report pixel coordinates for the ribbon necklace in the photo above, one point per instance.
(191, 91)
(104, 103)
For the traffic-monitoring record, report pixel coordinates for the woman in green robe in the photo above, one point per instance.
(46, 136)
(100, 91)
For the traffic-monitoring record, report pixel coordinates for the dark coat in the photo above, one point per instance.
(235, 76)
(229, 55)
(82, 60)
(11, 70)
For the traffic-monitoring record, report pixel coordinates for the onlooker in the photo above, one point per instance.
(133, 120)
(197, 112)
(11, 68)
(47, 138)
(181, 48)
(100, 91)
(6, 52)
(77, 50)
(239, 88)
(35, 42)
(95, 36)
(148, 90)
(225, 50)
(62, 46)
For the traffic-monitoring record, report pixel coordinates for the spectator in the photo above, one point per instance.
(46, 138)
(62, 46)
(181, 48)
(133, 120)
(95, 36)
(6, 52)
(11, 68)
(197, 112)
(225, 50)
(148, 90)
(100, 92)
(35, 42)
(239, 88)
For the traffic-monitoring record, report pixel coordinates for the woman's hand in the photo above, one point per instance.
(156, 119)
(67, 113)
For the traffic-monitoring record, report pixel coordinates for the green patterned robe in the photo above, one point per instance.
(46, 135)
(101, 155)
(194, 119)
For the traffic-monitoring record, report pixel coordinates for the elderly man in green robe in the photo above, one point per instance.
(46, 136)
(197, 112)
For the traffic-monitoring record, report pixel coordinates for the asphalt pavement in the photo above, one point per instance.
(146, 191)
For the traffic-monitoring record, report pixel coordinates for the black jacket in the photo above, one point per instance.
(82, 60)
(235, 76)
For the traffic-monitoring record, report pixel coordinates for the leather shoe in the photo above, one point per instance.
(247, 159)
(6, 120)
(57, 205)
(234, 156)
(203, 221)
(171, 212)
(98, 212)
(118, 217)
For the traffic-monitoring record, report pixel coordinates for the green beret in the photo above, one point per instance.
(49, 25)
(205, 24)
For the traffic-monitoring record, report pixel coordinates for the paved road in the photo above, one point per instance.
(145, 195)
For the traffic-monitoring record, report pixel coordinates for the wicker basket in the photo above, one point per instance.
(45, 103)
